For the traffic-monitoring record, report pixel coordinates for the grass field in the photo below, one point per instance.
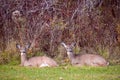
(8, 72)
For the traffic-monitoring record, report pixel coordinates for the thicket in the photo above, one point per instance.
(94, 25)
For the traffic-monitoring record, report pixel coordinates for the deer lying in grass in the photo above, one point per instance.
(39, 61)
(84, 59)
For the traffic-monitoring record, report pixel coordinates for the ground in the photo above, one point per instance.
(13, 72)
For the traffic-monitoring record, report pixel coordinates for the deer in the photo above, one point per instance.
(38, 61)
(86, 59)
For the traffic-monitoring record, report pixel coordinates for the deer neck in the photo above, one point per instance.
(23, 58)
(71, 55)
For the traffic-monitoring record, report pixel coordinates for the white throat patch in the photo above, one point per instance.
(68, 53)
(22, 54)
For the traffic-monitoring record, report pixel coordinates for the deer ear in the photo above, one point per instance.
(18, 46)
(63, 44)
(27, 45)
(73, 44)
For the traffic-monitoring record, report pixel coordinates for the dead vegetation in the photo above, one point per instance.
(46, 23)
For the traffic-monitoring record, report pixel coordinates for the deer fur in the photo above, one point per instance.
(38, 61)
(84, 59)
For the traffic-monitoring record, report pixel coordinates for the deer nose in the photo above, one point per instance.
(24, 52)
(69, 50)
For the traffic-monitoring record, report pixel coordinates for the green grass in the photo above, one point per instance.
(9, 72)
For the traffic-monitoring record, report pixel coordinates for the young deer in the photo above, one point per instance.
(84, 59)
(40, 61)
